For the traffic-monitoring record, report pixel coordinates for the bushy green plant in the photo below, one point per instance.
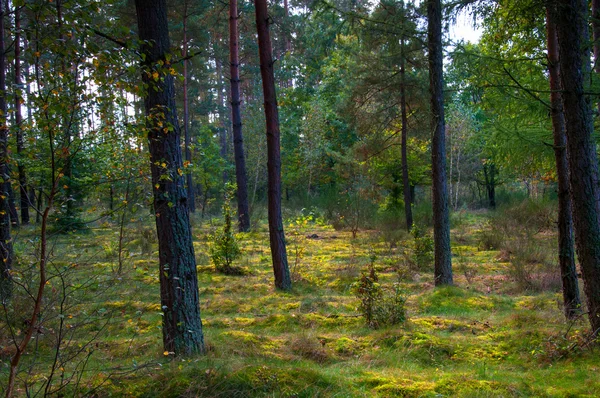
(225, 249)
(423, 247)
(379, 306)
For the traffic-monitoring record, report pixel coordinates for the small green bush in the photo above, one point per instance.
(379, 306)
(225, 249)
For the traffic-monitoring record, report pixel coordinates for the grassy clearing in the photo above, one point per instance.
(487, 337)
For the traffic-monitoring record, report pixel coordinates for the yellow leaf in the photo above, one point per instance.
(180, 172)
(166, 353)
(155, 75)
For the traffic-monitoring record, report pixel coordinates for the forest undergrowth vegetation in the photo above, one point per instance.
(363, 317)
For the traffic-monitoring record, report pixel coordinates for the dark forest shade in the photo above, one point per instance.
(182, 327)
(571, 25)
(441, 219)
(404, 141)
(276, 234)
(566, 251)
(236, 118)
(5, 238)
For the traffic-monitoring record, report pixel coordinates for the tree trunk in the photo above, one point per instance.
(405, 179)
(596, 38)
(441, 219)
(5, 238)
(489, 174)
(571, 24)
(222, 125)
(566, 251)
(186, 116)
(236, 118)
(276, 234)
(182, 327)
(24, 199)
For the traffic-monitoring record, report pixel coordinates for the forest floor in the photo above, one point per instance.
(499, 332)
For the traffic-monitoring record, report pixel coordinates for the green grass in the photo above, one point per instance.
(481, 338)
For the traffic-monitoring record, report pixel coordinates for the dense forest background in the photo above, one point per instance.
(422, 217)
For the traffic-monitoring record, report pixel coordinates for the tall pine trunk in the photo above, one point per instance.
(404, 149)
(24, 198)
(276, 234)
(566, 251)
(236, 118)
(182, 327)
(5, 238)
(571, 25)
(186, 115)
(441, 219)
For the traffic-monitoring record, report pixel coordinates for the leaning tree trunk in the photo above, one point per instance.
(186, 116)
(571, 24)
(566, 251)
(441, 219)
(5, 239)
(236, 118)
(182, 327)
(276, 234)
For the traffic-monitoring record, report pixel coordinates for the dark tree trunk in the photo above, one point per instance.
(222, 125)
(182, 327)
(236, 118)
(405, 179)
(571, 24)
(566, 251)
(441, 219)
(186, 116)
(596, 38)
(489, 174)
(276, 234)
(24, 199)
(5, 238)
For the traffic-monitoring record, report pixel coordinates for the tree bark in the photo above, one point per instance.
(571, 24)
(182, 327)
(5, 238)
(276, 234)
(566, 250)
(24, 198)
(236, 118)
(441, 219)
(186, 116)
(222, 124)
(596, 38)
(404, 118)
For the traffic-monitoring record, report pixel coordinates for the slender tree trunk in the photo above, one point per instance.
(566, 250)
(182, 327)
(222, 126)
(6, 250)
(571, 24)
(441, 219)
(24, 199)
(276, 234)
(236, 118)
(186, 115)
(404, 118)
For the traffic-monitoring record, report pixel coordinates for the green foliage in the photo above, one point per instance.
(225, 249)
(378, 306)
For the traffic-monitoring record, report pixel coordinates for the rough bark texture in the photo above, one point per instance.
(596, 38)
(182, 327)
(566, 250)
(24, 199)
(5, 238)
(186, 117)
(276, 234)
(405, 180)
(236, 118)
(571, 24)
(441, 219)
